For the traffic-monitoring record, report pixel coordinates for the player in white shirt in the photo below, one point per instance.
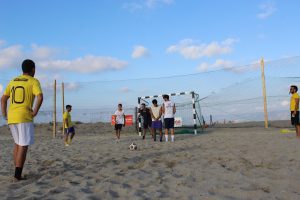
(168, 110)
(119, 121)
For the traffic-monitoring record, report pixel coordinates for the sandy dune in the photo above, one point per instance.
(222, 163)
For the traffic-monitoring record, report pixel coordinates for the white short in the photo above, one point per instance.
(23, 133)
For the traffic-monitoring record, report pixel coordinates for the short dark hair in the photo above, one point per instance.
(165, 96)
(154, 101)
(143, 104)
(295, 87)
(68, 106)
(120, 104)
(27, 66)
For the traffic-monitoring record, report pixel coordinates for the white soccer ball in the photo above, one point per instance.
(133, 146)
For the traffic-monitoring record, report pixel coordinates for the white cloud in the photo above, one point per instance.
(153, 3)
(72, 86)
(191, 49)
(139, 51)
(43, 52)
(125, 90)
(2, 43)
(146, 4)
(266, 10)
(284, 103)
(45, 57)
(47, 83)
(11, 56)
(87, 64)
(133, 6)
(228, 65)
(229, 41)
(218, 64)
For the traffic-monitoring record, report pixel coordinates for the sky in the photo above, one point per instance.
(97, 40)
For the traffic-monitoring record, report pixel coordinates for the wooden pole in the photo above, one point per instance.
(264, 91)
(54, 111)
(63, 107)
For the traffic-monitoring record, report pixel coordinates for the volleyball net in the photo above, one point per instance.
(227, 96)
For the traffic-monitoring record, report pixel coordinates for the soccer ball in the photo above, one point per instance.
(133, 146)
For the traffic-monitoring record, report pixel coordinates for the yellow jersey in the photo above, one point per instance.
(21, 91)
(293, 102)
(68, 117)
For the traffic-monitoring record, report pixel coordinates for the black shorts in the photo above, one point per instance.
(169, 123)
(118, 126)
(147, 124)
(295, 119)
(69, 130)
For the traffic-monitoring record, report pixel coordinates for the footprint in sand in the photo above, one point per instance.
(170, 164)
(138, 165)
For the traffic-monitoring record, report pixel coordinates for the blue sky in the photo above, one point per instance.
(79, 41)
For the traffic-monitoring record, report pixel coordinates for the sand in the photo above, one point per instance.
(222, 163)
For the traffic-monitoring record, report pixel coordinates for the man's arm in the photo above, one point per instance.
(124, 119)
(66, 122)
(174, 109)
(296, 106)
(151, 113)
(4, 105)
(39, 101)
(163, 108)
(160, 113)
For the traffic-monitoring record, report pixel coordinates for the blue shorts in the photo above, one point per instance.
(70, 130)
(157, 124)
(169, 123)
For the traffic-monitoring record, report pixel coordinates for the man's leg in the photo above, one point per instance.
(116, 133)
(298, 130)
(119, 133)
(71, 136)
(160, 135)
(20, 160)
(15, 154)
(144, 132)
(72, 133)
(166, 134)
(66, 137)
(172, 134)
(153, 133)
(21, 156)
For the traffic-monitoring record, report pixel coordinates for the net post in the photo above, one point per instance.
(138, 111)
(54, 111)
(194, 112)
(63, 107)
(264, 92)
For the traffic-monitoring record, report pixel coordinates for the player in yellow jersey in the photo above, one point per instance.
(69, 128)
(294, 107)
(21, 92)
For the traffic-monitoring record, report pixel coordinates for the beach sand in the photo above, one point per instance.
(222, 163)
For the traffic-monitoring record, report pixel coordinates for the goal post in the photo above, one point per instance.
(190, 109)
